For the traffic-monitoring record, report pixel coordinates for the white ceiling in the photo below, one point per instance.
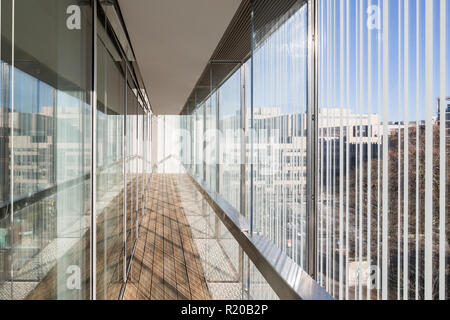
(173, 41)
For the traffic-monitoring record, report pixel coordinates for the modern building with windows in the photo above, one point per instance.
(224, 149)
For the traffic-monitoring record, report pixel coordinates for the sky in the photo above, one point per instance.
(280, 61)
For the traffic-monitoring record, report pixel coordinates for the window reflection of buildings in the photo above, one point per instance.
(280, 157)
(36, 173)
(446, 117)
(33, 152)
(285, 136)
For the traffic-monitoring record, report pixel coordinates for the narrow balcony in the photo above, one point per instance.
(224, 150)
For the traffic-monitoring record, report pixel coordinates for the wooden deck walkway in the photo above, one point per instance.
(166, 263)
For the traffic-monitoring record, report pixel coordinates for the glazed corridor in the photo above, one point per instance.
(227, 149)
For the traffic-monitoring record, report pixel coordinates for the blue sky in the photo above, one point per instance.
(280, 63)
(281, 59)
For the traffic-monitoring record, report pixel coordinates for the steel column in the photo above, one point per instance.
(312, 138)
(93, 231)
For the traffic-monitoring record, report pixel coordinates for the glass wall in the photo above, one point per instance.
(199, 140)
(279, 135)
(230, 139)
(380, 211)
(46, 143)
(211, 145)
(46, 151)
(274, 194)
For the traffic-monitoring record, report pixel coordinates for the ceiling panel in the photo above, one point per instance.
(173, 41)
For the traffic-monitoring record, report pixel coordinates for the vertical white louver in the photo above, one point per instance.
(383, 137)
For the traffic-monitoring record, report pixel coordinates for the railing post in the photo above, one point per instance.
(93, 231)
(125, 159)
(218, 158)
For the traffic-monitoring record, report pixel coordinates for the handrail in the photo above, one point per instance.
(287, 278)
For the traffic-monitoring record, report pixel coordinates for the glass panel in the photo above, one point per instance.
(45, 148)
(110, 157)
(192, 121)
(206, 137)
(211, 137)
(199, 135)
(130, 176)
(230, 139)
(279, 138)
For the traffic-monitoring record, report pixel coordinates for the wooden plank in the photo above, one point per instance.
(167, 263)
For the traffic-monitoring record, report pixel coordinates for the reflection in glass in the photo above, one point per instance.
(230, 138)
(110, 157)
(45, 152)
(382, 230)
